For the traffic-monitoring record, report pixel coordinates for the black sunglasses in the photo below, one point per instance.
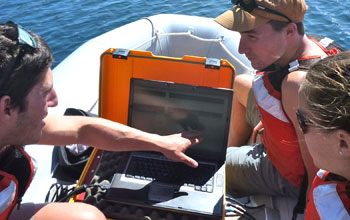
(250, 5)
(303, 122)
(24, 39)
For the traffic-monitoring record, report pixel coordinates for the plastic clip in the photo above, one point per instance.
(121, 53)
(293, 66)
(212, 63)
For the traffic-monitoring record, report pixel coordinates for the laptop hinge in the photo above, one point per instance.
(212, 63)
(121, 53)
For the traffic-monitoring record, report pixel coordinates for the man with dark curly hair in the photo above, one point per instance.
(26, 93)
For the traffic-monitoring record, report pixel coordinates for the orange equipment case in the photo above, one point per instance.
(118, 66)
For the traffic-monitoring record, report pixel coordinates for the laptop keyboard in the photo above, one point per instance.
(170, 172)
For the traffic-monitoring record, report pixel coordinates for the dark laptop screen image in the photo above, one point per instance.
(150, 180)
(168, 108)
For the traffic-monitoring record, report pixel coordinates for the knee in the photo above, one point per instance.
(242, 86)
(69, 211)
(90, 212)
(232, 160)
(243, 82)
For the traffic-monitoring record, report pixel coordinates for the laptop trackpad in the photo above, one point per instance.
(159, 192)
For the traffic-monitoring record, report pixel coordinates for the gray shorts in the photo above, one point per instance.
(250, 172)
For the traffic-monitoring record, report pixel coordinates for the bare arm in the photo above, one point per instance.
(240, 130)
(290, 87)
(108, 135)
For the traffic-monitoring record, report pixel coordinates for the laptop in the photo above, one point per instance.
(148, 179)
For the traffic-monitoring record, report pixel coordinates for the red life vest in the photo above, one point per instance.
(329, 198)
(280, 138)
(16, 173)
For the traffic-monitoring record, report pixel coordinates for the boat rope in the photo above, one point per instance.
(158, 35)
(160, 45)
(93, 106)
(150, 21)
(189, 34)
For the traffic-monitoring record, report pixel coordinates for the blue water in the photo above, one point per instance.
(66, 24)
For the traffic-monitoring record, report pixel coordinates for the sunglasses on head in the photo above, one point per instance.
(250, 5)
(24, 39)
(303, 122)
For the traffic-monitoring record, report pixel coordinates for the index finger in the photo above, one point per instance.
(189, 161)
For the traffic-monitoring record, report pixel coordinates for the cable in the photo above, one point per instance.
(239, 210)
(230, 199)
(75, 191)
(63, 193)
(60, 191)
(235, 206)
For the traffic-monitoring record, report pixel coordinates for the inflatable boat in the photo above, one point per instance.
(76, 78)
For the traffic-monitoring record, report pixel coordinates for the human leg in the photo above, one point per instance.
(240, 130)
(56, 211)
(250, 172)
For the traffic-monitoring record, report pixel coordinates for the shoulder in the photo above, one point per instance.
(292, 81)
(289, 91)
(312, 48)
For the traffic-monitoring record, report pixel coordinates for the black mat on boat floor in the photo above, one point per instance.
(107, 167)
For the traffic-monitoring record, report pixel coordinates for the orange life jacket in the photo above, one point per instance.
(16, 173)
(280, 138)
(329, 197)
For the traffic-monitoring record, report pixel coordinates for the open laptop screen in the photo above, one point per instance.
(166, 108)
